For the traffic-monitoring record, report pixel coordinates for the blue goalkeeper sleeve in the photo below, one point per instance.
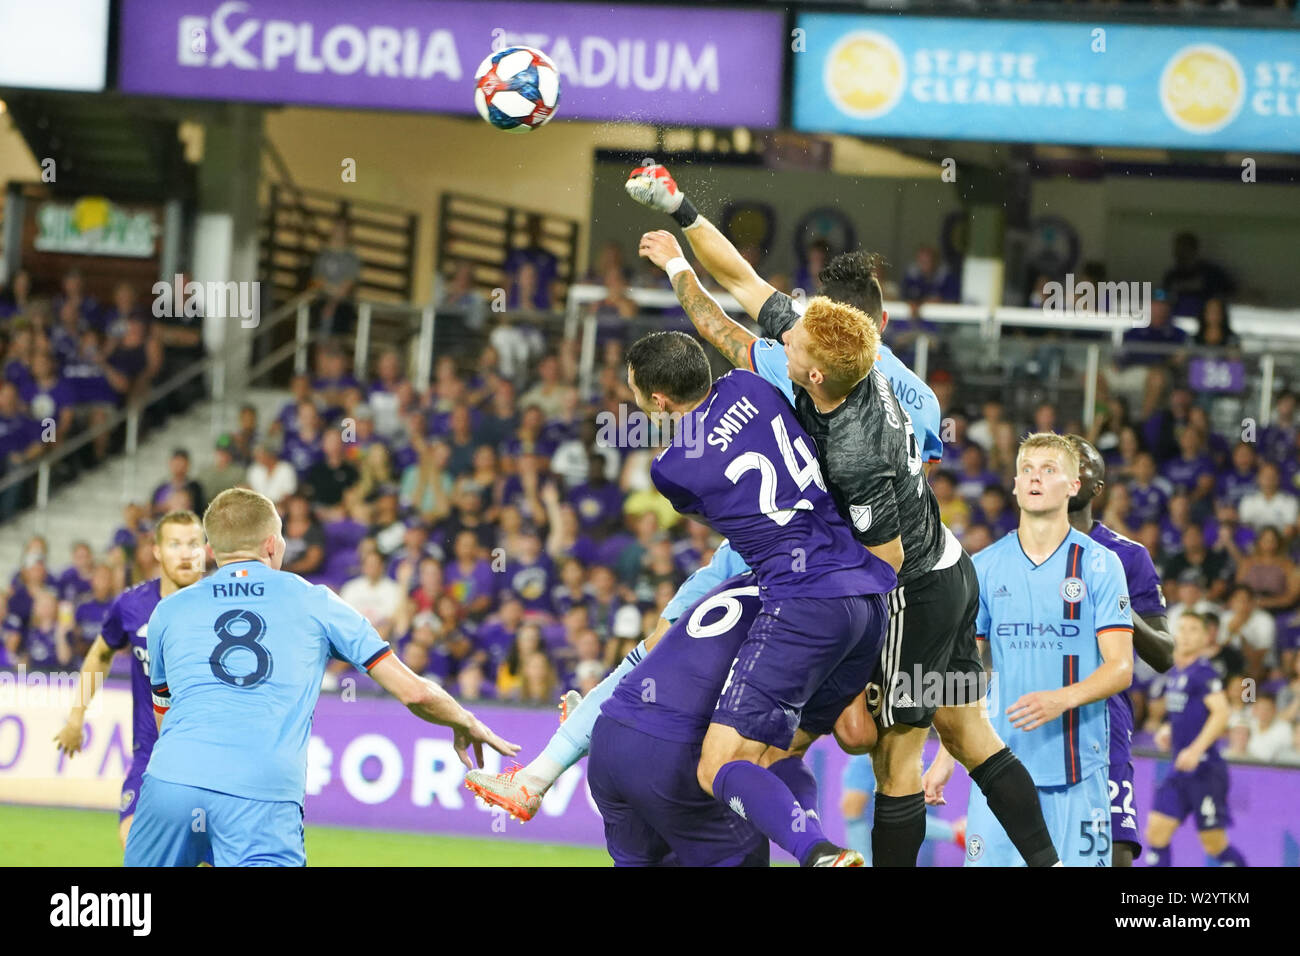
(570, 743)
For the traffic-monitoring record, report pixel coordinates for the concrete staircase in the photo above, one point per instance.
(90, 508)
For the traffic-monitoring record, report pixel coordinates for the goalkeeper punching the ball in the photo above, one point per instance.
(886, 496)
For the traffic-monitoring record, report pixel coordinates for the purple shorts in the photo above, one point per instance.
(662, 818)
(804, 661)
(1123, 813)
(131, 785)
(1203, 792)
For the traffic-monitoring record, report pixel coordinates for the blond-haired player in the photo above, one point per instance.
(1054, 608)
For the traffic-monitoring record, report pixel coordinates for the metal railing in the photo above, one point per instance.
(1265, 331)
(299, 310)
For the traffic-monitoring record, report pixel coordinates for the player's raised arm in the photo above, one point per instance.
(99, 659)
(724, 333)
(653, 186)
(430, 702)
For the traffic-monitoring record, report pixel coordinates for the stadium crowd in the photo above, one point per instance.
(507, 552)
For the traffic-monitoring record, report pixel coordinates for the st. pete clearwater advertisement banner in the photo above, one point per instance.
(371, 764)
(651, 64)
(1023, 81)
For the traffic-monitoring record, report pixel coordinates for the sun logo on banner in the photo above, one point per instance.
(865, 74)
(1202, 88)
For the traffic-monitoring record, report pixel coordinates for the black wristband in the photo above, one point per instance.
(686, 214)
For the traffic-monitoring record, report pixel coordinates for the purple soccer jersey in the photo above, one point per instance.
(1147, 600)
(752, 473)
(1185, 690)
(672, 693)
(126, 626)
(1202, 792)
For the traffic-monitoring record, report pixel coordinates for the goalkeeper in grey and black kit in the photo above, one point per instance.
(873, 465)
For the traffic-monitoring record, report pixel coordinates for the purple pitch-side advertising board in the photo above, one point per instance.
(370, 764)
(655, 64)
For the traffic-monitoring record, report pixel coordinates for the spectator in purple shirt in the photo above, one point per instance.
(332, 379)
(928, 279)
(1238, 482)
(1192, 280)
(303, 447)
(532, 271)
(973, 477)
(1192, 472)
(49, 396)
(45, 644)
(300, 390)
(1175, 522)
(497, 635)
(597, 501)
(995, 512)
(76, 580)
(88, 618)
(470, 579)
(20, 443)
(529, 574)
(572, 589)
(1277, 440)
(179, 480)
(1160, 331)
(73, 291)
(1148, 494)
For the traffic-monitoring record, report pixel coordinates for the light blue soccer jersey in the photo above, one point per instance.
(1042, 624)
(236, 662)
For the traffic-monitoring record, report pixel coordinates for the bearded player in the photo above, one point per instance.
(178, 549)
(873, 462)
(1151, 639)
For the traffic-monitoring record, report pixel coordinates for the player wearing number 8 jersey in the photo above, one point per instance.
(235, 666)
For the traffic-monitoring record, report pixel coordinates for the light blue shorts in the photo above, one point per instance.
(178, 825)
(1077, 816)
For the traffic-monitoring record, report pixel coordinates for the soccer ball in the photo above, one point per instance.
(517, 89)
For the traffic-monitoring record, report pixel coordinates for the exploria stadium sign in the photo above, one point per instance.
(681, 65)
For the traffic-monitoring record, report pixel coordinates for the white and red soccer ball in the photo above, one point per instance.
(517, 89)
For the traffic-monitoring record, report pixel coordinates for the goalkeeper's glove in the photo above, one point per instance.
(653, 186)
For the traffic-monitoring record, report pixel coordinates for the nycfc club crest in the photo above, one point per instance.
(1072, 590)
(974, 847)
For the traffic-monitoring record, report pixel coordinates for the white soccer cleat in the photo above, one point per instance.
(568, 704)
(505, 791)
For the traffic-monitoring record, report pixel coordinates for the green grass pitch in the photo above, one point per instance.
(47, 836)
